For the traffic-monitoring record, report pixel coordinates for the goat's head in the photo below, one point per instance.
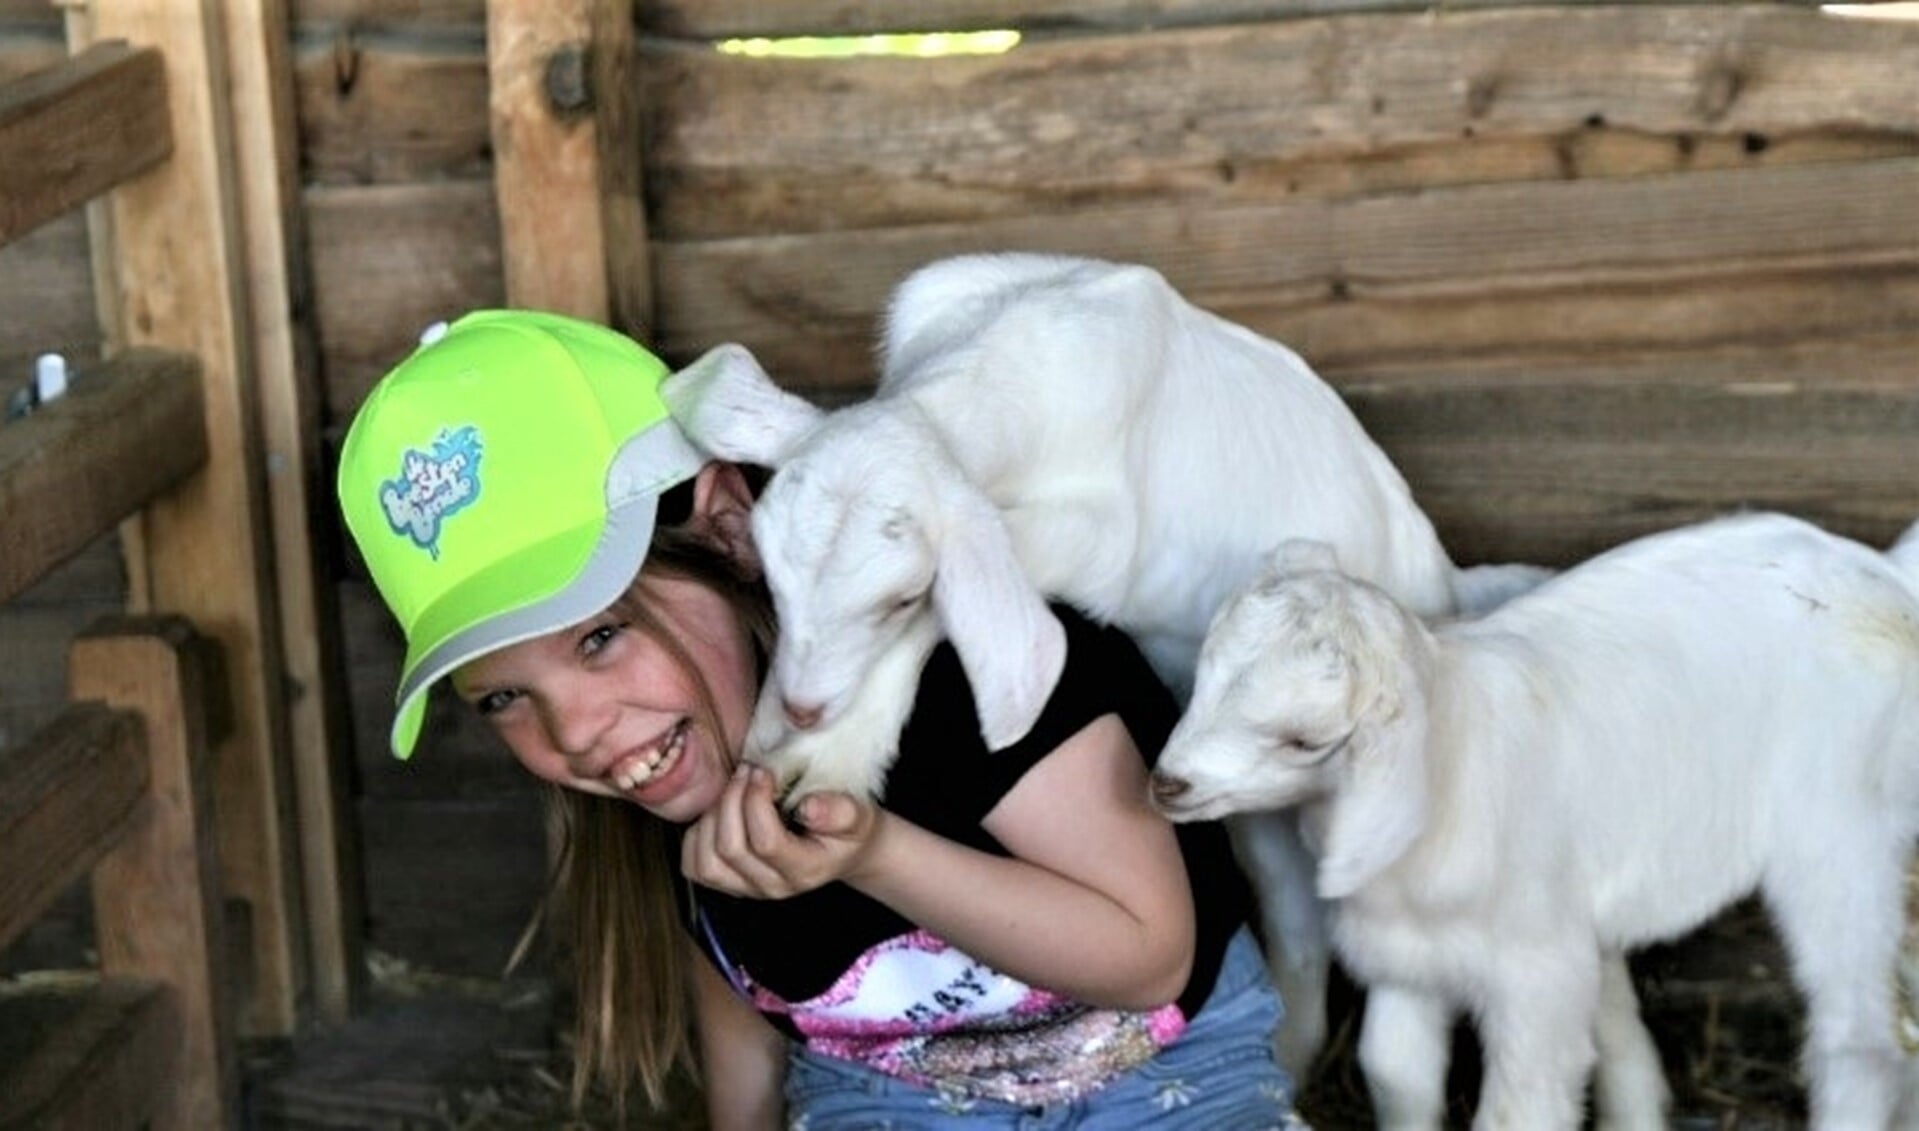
(872, 539)
(1309, 689)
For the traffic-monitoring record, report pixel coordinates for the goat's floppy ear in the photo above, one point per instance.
(1301, 555)
(730, 408)
(1380, 806)
(1011, 645)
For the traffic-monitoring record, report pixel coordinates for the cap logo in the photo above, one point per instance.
(433, 485)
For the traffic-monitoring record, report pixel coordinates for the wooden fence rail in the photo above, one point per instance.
(118, 787)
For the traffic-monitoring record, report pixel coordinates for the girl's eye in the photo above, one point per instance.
(598, 637)
(494, 702)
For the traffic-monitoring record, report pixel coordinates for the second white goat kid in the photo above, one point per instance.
(1503, 807)
(1081, 424)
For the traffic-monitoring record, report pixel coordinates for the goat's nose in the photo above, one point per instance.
(1167, 789)
(802, 716)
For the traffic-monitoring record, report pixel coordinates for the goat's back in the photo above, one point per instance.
(1664, 719)
(1058, 380)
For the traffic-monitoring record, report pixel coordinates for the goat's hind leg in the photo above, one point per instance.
(1629, 1082)
(1840, 906)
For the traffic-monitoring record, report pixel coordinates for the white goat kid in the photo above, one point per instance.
(1503, 807)
(1079, 422)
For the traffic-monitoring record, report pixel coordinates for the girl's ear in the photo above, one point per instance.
(723, 513)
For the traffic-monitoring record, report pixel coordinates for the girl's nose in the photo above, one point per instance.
(575, 720)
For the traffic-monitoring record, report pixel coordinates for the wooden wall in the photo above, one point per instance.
(1584, 269)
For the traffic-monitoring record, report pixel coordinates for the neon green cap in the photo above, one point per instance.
(502, 483)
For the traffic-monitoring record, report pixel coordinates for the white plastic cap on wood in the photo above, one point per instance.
(49, 377)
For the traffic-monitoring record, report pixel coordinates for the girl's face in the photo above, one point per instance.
(604, 708)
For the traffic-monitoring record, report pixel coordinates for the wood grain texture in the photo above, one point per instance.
(105, 1064)
(158, 909)
(388, 261)
(1553, 472)
(127, 431)
(1543, 268)
(714, 19)
(72, 132)
(298, 501)
(1223, 115)
(65, 797)
(204, 549)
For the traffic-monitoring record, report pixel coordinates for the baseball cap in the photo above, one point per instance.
(502, 482)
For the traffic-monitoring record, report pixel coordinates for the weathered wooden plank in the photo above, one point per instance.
(47, 294)
(1549, 267)
(204, 549)
(376, 110)
(388, 109)
(298, 502)
(388, 13)
(65, 795)
(716, 19)
(565, 172)
(388, 261)
(126, 431)
(1555, 471)
(106, 1063)
(72, 132)
(1259, 112)
(158, 912)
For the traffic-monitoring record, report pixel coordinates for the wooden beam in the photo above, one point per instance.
(1539, 268)
(72, 132)
(718, 19)
(127, 431)
(157, 907)
(299, 501)
(1556, 471)
(565, 169)
(1213, 117)
(107, 1063)
(65, 795)
(205, 548)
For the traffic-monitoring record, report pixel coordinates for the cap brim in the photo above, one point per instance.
(610, 565)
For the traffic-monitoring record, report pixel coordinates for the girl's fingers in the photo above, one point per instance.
(737, 841)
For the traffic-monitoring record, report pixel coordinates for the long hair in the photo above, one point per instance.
(612, 898)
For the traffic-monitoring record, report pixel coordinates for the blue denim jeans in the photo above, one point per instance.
(1218, 1076)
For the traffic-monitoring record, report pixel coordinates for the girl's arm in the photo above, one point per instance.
(742, 1058)
(1094, 902)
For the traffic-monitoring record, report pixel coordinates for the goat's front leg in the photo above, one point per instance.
(1536, 1028)
(1293, 927)
(1404, 1042)
(1629, 1083)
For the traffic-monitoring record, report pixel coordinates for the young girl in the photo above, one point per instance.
(1010, 938)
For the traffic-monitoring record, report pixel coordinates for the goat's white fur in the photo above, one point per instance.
(1139, 455)
(1505, 806)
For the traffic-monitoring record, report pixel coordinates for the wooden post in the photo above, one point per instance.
(566, 159)
(269, 197)
(156, 901)
(204, 550)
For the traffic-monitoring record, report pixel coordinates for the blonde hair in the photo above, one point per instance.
(612, 893)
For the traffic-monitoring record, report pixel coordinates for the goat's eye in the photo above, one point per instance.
(1314, 750)
(904, 604)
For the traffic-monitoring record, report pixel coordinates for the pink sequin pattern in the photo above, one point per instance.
(920, 1010)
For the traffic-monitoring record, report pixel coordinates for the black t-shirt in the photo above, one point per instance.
(946, 781)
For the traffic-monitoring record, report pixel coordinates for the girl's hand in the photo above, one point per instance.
(742, 847)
